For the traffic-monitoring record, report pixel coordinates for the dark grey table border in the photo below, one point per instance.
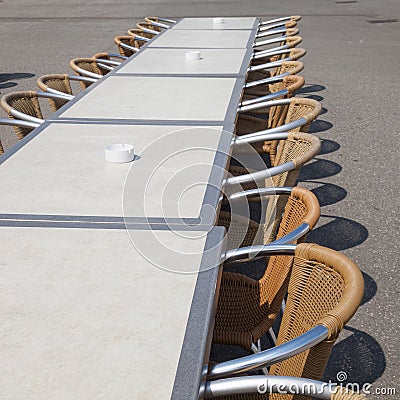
(199, 329)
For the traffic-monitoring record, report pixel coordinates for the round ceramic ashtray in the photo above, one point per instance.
(193, 55)
(119, 153)
(218, 20)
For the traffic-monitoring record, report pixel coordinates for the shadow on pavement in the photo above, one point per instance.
(7, 80)
(318, 169)
(328, 193)
(339, 234)
(360, 356)
(328, 146)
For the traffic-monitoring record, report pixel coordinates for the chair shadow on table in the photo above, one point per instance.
(7, 79)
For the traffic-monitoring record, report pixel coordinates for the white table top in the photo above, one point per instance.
(172, 61)
(207, 23)
(62, 171)
(156, 98)
(212, 39)
(85, 316)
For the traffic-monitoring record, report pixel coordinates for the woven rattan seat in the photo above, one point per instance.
(248, 308)
(324, 291)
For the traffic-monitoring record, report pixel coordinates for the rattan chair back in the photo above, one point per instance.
(325, 288)
(129, 41)
(59, 82)
(26, 102)
(137, 33)
(149, 28)
(87, 64)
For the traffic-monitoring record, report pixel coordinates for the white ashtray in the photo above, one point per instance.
(193, 55)
(119, 153)
(218, 20)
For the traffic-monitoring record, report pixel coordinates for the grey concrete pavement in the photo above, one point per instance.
(351, 67)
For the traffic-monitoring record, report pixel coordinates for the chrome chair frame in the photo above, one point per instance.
(267, 384)
(24, 117)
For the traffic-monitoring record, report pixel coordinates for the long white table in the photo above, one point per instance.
(86, 316)
(207, 23)
(157, 98)
(220, 62)
(67, 176)
(111, 271)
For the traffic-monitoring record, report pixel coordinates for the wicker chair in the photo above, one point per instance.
(87, 67)
(324, 291)
(295, 114)
(17, 125)
(301, 212)
(160, 22)
(274, 387)
(141, 35)
(107, 62)
(277, 25)
(148, 28)
(60, 84)
(295, 149)
(282, 88)
(275, 60)
(25, 106)
(279, 22)
(283, 32)
(285, 42)
(128, 45)
(248, 308)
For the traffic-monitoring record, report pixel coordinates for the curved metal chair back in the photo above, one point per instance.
(160, 22)
(59, 83)
(283, 88)
(149, 28)
(140, 34)
(128, 45)
(293, 54)
(23, 102)
(86, 67)
(21, 127)
(258, 82)
(277, 25)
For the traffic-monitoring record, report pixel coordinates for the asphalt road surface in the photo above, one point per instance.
(353, 52)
